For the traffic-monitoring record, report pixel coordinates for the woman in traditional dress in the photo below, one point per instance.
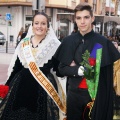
(32, 87)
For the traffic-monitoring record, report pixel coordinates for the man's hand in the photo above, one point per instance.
(73, 63)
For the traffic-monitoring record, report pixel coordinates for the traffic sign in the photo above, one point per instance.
(8, 16)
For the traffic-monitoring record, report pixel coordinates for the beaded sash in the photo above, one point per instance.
(40, 77)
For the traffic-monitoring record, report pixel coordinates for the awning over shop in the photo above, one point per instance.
(107, 19)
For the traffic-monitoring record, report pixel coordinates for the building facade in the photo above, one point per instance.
(107, 17)
(60, 14)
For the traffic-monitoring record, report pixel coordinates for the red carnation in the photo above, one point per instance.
(3, 91)
(92, 61)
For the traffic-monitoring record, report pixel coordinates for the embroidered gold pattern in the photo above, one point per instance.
(44, 82)
(26, 42)
(38, 74)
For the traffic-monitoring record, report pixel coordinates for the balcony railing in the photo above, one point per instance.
(64, 4)
(16, 1)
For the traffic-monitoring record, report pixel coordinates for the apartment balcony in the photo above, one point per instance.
(64, 4)
(15, 2)
(111, 10)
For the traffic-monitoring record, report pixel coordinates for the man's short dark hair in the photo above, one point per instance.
(84, 6)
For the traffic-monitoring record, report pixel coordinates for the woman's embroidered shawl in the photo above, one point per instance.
(46, 50)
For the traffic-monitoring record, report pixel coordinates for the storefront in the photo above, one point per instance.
(107, 25)
(65, 24)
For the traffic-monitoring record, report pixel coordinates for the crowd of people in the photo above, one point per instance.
(115, 40)
(35, 92)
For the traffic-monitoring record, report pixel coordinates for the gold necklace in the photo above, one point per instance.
(34, 50)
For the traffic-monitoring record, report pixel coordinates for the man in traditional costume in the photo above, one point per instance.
(80, 94)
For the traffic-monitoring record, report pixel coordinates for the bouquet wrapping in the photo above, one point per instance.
(91, 63)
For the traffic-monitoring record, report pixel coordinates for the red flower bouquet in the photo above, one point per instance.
(3, 91)
(89, 65)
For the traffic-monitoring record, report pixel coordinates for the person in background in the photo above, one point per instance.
(75, 28)
(115, 42)
(69, 53)
(61, 37)
(33, 90)
(19, 35)
(24, 33)
(116, 84)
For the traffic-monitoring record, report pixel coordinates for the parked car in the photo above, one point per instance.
(2, 38)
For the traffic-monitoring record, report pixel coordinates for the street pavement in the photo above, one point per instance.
(5, 59)
(9, 49)
(6, 54)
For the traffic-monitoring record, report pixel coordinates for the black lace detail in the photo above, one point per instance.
(27, 100)
(15, 111)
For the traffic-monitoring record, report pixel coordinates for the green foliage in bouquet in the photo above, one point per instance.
(89, 65)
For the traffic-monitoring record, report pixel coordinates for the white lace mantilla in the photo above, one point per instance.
(45, 50)
(42, 55)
